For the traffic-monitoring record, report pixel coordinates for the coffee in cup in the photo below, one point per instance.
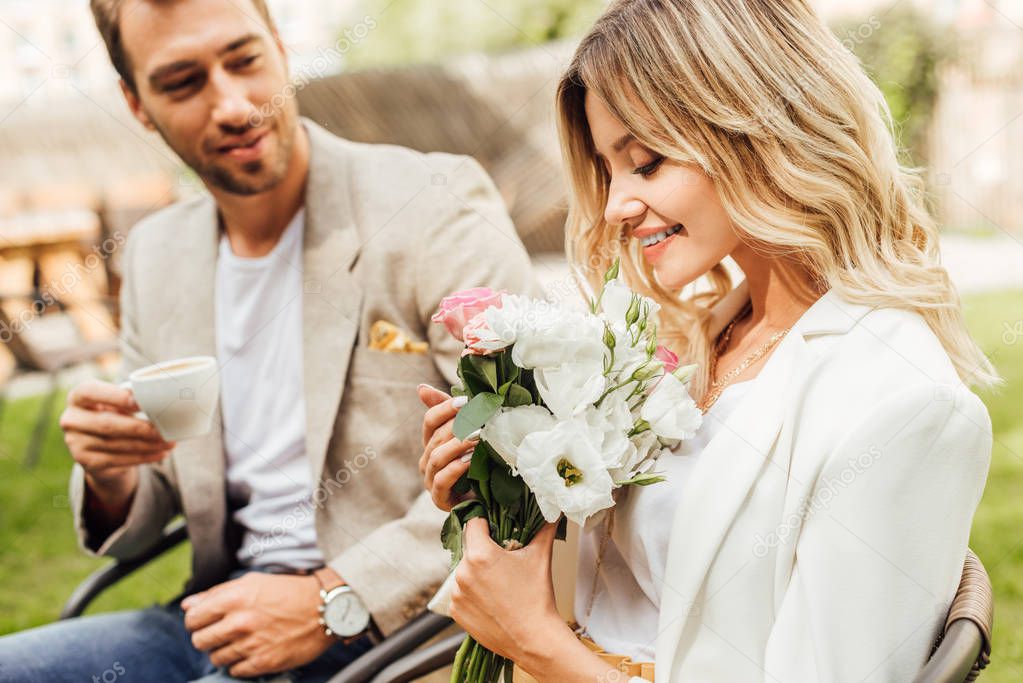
(178, 396)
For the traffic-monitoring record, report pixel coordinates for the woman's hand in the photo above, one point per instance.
(490, 584)
(445, 458)
(505, 600)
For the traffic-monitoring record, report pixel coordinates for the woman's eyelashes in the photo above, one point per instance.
(649, 169)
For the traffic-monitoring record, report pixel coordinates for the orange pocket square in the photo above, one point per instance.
(386, 336)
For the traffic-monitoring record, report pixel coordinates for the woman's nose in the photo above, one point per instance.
(623, 207)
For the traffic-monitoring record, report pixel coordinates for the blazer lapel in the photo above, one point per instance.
(332, 298)
(720, 482)
(199, 462)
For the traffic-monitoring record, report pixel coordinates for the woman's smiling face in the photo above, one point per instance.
(672, 209)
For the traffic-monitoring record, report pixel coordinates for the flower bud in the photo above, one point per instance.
(612, 272)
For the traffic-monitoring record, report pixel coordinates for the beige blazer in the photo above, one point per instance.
(388, 233)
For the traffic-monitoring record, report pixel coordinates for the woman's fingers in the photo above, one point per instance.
(445, 480)
(431, 397)
(442, 435)
(476, 537)
(444, 455)
(439, 414)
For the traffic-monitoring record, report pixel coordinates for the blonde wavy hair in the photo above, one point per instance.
(763, 98)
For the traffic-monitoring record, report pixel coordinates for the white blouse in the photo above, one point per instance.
(628, 592)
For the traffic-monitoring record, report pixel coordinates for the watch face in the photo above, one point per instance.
(345, 615)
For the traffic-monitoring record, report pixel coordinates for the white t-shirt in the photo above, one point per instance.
(258, 303)
(628, 595)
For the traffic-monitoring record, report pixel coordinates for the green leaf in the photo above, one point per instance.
(528, 382)
(479, 467)
(451, 532)
(451, 537)
(561, 533)
(476, 412)
(518, 395)
(474, 382)
(509, 371)
(506, 488)
(461, 486)
(486, 368)
(643, 479)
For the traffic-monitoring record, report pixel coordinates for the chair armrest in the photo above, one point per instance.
(422, 662)
(173, 534)
(965, 645)
(954, 659)
(393, 648)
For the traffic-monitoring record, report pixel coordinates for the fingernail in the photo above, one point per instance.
(424, 384)
(466, 458)
(459, 401)
(474, 436)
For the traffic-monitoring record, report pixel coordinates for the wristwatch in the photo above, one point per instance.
(342, 613)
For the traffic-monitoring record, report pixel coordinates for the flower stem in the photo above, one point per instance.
(458, 667)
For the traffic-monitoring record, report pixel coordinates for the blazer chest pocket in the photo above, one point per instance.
(384, 367)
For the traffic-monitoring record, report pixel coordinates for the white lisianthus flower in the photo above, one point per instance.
(670, 411)
(615, 301)
(565, 470)
(627, 360)
(509, 426)
(570, 388)
(551, 341)
(612, 420)
(499, 327)
(639, 456)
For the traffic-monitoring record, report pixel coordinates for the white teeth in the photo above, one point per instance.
(650, 240)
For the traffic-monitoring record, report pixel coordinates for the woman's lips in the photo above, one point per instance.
(654, 252)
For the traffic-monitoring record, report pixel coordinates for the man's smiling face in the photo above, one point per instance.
(206, 73)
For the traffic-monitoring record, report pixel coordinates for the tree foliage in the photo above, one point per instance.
(410, 31)
(903, 49)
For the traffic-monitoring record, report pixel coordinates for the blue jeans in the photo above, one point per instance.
(137, 646)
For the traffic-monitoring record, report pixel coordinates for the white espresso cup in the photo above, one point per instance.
(178, 396)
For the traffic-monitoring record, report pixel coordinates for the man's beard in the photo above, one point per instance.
(248, 181)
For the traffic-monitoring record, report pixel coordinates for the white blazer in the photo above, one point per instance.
(822, 534)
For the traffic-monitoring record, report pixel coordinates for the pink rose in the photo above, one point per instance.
(458, 309)
(475, 333)
(668, 357)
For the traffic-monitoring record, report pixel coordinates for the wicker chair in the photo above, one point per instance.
(964, 647)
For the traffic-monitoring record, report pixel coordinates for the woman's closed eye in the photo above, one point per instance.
(649, 169)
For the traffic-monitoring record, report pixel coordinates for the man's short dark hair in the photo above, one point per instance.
(107, 14)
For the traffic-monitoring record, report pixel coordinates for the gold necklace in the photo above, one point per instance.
(718, 386)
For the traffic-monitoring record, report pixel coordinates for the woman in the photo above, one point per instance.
(815, 529)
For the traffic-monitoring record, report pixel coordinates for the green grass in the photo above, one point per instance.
(998, 527)
(40, 563)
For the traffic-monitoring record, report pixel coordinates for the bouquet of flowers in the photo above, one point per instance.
(570, 405)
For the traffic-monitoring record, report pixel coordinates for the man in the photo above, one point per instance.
(309, 481)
